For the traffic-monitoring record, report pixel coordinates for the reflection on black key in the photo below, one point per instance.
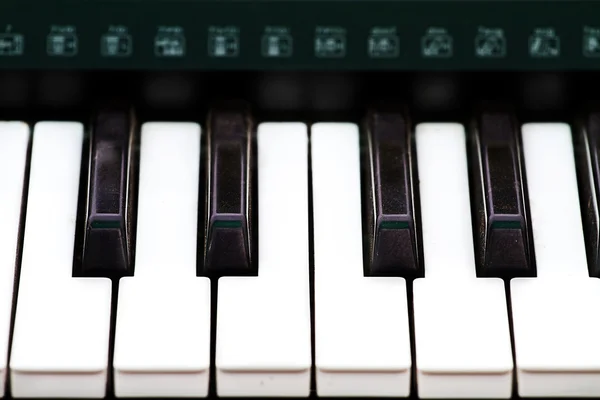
(588, 165)
(108, 230)
(391, 228)
(228, 236)
(503, 237)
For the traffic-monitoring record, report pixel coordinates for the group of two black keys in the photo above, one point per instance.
(503, 235)
(111, 195)
(500, 216)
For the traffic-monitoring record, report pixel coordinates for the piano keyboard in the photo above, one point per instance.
(291, 259)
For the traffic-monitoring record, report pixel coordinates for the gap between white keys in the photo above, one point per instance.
(162, 340)
(14, 142)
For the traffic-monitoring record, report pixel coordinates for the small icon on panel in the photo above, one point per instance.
(591, 42)
(223, 42)
(383, 43)
(437, 43)
(490, 43)
(116, 45)
(330, 42)
(277, 45)
(544, 43)
(334, 46)
(223, 46)
(62, 44)
(11, 44)
(169, 42)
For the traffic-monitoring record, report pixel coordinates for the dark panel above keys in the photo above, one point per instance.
(228, 244)
(503, 237)
(107, 249)
(588, 168)
(391, 234)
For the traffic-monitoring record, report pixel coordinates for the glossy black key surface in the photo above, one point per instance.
(588, 166)
(228, 236)
(503, 237)
(391, 228)
(108, 231)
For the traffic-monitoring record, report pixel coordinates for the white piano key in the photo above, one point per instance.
(62, 324)
(462, 335)
(14, 142)
(263, 323)
(445, 202)
(362, 334)
(554, 326)
(162, 339)
(554, 200)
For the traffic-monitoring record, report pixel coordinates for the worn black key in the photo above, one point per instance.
(391, 227)
(228, 237)
(588, 166)
(503, 235)
(108, 227)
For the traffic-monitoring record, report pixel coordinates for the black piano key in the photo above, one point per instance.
(503, 235)
(391, 229)
(108, 228)
(588, 166)
(229, 237)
